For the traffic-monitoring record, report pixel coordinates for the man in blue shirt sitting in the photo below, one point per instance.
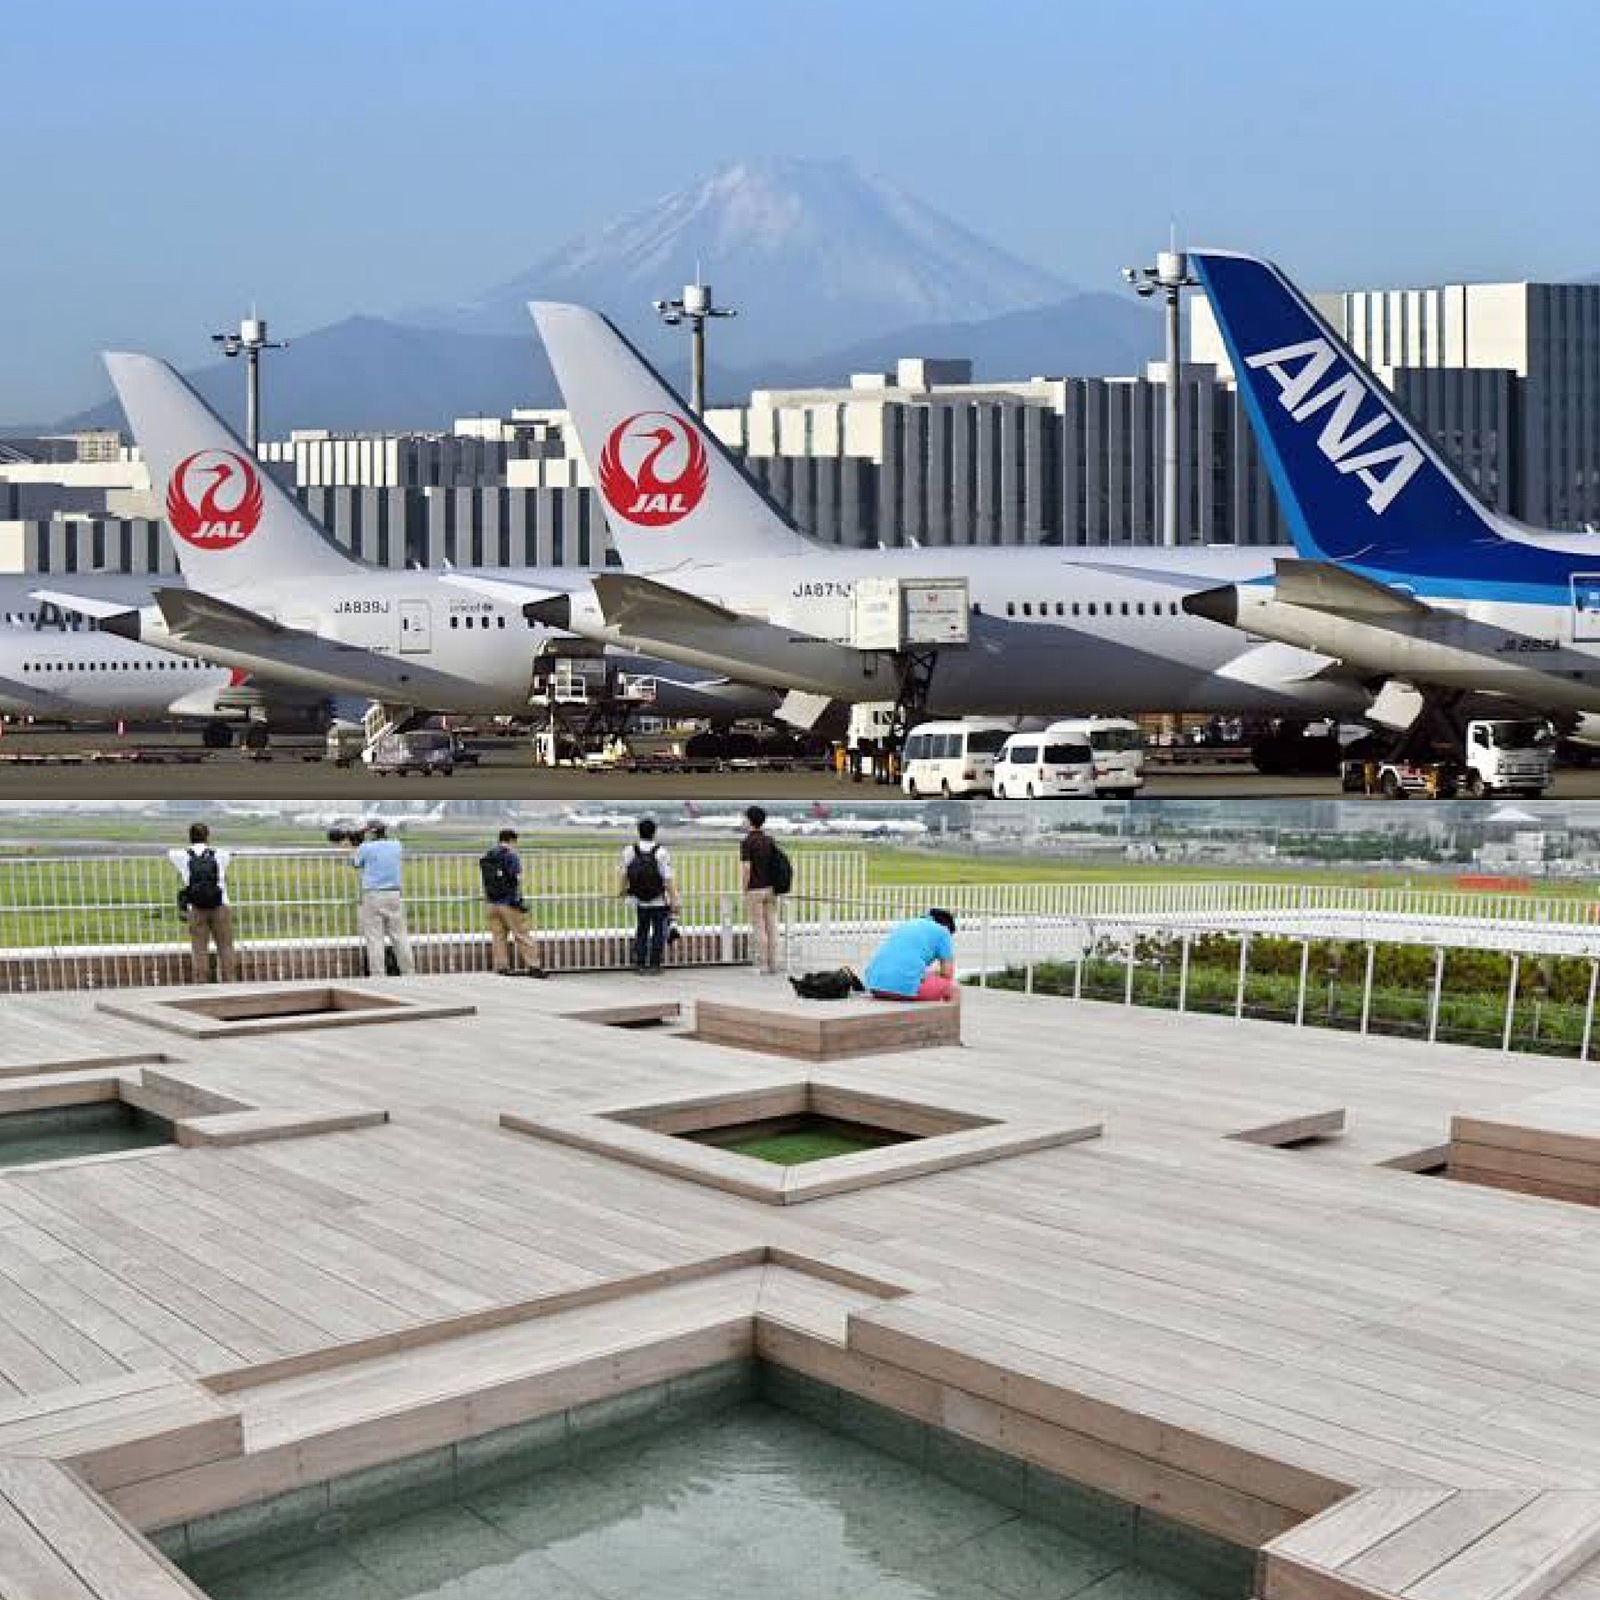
(916, 961)
(383, 912)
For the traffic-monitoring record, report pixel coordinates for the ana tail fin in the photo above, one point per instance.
(1358, 481)
(671, 492)
(230, 523)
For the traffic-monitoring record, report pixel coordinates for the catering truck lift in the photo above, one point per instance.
(1494, 756)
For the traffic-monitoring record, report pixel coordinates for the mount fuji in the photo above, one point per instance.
(831, 271)
(815, 255)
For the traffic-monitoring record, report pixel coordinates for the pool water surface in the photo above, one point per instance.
(60, 1132)
(755, 1502)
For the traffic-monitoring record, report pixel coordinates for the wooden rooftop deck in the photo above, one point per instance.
(1389, 1382)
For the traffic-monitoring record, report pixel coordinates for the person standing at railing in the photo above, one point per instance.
(766, 874)
(916, 961)
(383, 909)
(645, 879)
(203, 900)
(501, 869)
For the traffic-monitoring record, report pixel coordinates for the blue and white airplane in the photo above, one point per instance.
(1399, 570)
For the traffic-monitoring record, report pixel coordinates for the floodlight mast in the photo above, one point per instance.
(696, 306)
(249, 339)
(1170, 276)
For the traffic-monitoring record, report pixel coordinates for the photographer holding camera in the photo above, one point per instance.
(203, 900)
(501, 868)
(383, 913)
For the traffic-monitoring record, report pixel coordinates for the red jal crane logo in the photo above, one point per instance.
(653, 470)
(214, 499)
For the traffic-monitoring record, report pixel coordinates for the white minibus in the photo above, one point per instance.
(950, 758)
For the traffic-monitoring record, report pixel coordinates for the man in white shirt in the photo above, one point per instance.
(646, 880)
(203, 899)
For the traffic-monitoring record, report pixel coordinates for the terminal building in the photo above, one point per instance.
(1505, 377)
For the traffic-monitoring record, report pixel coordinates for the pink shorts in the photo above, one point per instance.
(933, 987)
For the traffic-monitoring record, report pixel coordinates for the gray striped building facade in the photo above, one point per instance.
(1504, 377)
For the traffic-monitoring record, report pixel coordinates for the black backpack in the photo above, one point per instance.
(780, 869)
(839, 984)
(643, 873)
(204, 891)
(499, 882)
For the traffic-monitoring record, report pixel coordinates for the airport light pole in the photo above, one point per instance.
(696, 308)
(249, 340)
(1170, 276)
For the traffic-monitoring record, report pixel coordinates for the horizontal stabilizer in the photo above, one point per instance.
(625, 599)
(1321, 586)
(660, 620)
(505, 590)
(83, 605)
(193, 615)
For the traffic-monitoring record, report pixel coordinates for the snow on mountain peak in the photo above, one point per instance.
(813, 253)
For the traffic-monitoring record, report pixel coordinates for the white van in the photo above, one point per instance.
(946, 758)
(1118, 747)
(1044, 766)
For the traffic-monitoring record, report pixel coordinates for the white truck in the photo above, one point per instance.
(1499, 755)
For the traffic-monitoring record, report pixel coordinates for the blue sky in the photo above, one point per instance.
(168, 161)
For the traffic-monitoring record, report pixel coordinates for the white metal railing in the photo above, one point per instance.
(112, 920)
(1528, 984)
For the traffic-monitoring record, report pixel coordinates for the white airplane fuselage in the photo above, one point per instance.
(64, 676)
(406, 636)
(1052, 630)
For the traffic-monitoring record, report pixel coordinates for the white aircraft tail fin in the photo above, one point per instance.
(230, 523)
(671, 492)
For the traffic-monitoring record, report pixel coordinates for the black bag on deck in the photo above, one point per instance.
(839, 984)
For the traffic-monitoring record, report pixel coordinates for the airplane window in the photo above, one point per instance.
(455, 622)
(1124, 608)
(1140, 608)
(1027, 608)
(1074, 608)
(1061, 609)
(502, 621)
(1011, 608)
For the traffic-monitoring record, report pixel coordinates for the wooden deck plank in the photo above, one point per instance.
(1274, 1327)
(111, 1561)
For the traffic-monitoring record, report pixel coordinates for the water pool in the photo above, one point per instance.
(59, 1132)
(753, 1502)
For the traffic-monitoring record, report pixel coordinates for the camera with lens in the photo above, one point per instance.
(350, 836)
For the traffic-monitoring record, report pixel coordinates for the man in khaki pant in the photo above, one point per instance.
(204, 902)
(760, 897)
(507, 910)
(383, 910)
